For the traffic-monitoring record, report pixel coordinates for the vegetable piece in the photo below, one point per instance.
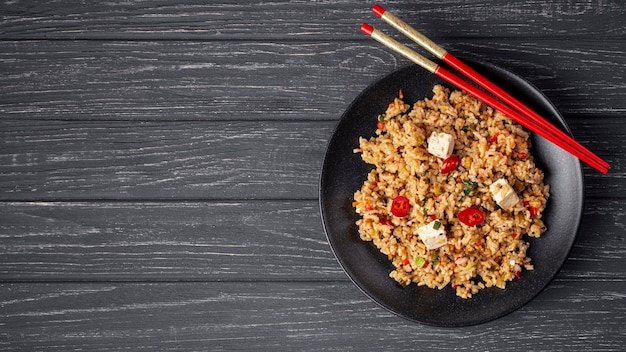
(380, 124)
(469, 186)
(534, 211)
(450, 164)
(436, 190)
(434, 258)
(385, 221)
(471, 216)
(436, 225)
(400, 206)
(420, 262)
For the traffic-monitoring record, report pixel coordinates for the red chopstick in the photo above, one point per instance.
(531, 120)
(441, 53)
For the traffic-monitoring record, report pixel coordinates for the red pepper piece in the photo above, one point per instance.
(400, 206)
(450, 164)
(385, 221)
(471, 216)
(534, 211)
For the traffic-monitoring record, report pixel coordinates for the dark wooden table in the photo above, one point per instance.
(159, 167)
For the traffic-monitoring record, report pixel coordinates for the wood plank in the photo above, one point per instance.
(294, 316)
(204, 160)
(243, 80)
(337, 20)
(207, 160)
(245, 240)
(223, 241)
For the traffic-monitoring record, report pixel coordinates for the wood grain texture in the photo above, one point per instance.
(337, 20)
(171, 241)
(69, 160)
(159, 166)
(294, 316)
(247, 80)
(223, 241)
(211, 160)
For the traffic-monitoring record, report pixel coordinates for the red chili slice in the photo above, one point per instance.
(534, 211)
(385, 221)
(450, 164)
(471, 216)
(400, 206)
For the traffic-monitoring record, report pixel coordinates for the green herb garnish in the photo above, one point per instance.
(469, 186)
(437, 225)
(434, 258)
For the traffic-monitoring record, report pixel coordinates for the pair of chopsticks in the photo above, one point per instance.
(515, 109)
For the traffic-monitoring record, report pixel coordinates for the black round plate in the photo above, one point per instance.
(343, 172)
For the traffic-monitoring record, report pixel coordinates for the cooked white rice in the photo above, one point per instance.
(490, 147)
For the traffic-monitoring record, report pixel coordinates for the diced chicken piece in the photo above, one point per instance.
(503, 194)
(433, 235)
(441, 144)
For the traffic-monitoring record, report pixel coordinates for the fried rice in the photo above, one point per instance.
(490, 147)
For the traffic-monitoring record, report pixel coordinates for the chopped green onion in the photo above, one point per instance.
(434, 258)
(469, 186)
(466, 128)
(436, 225)
(419, 261)
(381, 118)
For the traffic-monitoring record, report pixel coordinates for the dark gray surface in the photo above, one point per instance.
(159, 165)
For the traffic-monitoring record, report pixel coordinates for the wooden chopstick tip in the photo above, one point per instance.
(378, 10)
(367, 29)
